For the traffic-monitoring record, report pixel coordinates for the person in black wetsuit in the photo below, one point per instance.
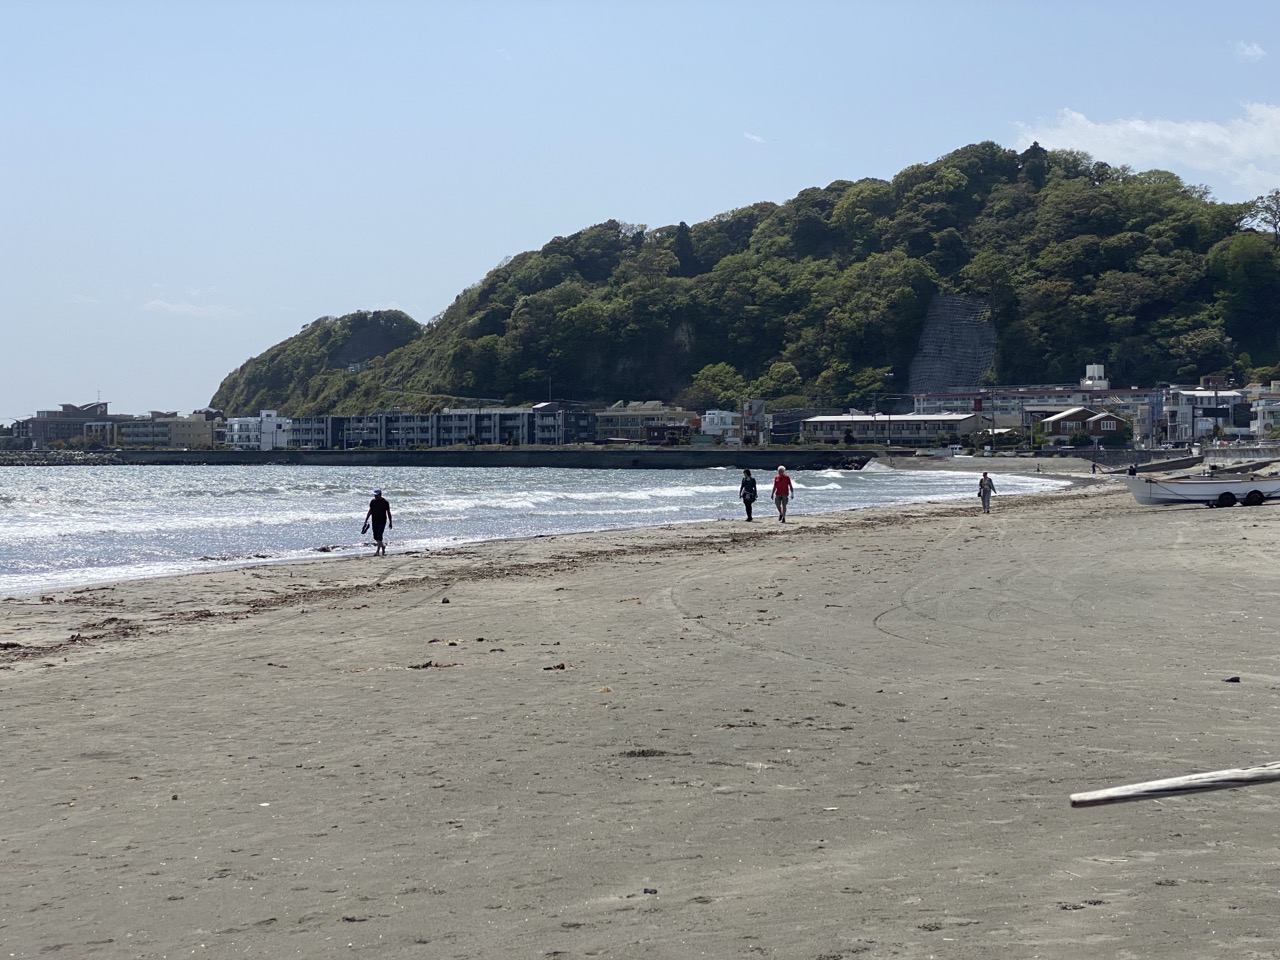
(379, 516)
(747, 492)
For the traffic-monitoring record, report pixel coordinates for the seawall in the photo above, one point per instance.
(579, 458)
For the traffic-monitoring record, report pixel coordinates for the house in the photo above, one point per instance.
(1096, 424)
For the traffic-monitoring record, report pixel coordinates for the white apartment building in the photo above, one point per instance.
(266, 431)
(1265, 411)
(723, 423)
(1194, 412)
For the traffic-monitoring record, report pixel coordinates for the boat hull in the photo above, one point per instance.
(1214, 491)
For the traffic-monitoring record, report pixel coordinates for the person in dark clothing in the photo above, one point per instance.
(379, 517)
(747, 491)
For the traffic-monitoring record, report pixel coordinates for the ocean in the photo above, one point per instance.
(75, 526)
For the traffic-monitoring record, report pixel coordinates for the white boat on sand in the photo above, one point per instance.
(1215, 491)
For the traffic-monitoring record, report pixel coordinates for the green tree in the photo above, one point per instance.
(1266, 211)
(781, 379)
(718, 386)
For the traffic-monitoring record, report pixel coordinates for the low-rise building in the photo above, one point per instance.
(902, 429)
(267, 431)
(1097, 425)
(1195, 412)
(1265, 411)
(631, 420)
(317, 433)
(556, 423)
(485, 425)
(725, 424)
(69, 422)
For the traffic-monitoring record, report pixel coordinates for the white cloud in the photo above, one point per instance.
(1238, 159)
(207, 312)
(83, 299)
(753, 137)
(1248, 50)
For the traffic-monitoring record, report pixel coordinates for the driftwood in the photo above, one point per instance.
(1172, 787)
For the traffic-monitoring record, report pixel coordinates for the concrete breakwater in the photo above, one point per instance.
(56, 458)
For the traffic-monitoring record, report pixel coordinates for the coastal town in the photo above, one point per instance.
(1088, 414)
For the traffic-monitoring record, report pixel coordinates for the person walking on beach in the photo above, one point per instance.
(986, 487)
(747, 491)
(379, 517)
(783, 490)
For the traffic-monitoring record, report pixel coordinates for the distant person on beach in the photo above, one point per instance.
(379, 517)
(783, 490)
(1133, 469)
(747, 491)
(986, 487)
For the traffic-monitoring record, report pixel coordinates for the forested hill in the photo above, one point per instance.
(821, 297)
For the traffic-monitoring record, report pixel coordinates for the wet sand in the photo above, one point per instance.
(846, 736)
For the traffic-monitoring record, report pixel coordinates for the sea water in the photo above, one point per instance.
(73, 526)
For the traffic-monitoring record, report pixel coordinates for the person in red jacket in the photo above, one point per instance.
(783, 491)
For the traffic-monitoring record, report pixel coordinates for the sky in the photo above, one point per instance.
(185, 183)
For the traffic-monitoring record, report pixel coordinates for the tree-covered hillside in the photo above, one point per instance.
(822, 296)
(310, 372)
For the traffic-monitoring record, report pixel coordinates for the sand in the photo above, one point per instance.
(846, 736)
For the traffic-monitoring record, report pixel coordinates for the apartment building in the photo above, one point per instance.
(901, 429)
(267, 431)
(632, 420)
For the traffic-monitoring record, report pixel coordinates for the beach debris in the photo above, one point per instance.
(444, 599)
(1231, 680)
(282, 666)
(644, 752)
(651, 890)
(1173, 786)
(558, 666)
(430, 664)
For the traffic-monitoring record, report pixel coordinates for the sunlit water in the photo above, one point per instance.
(71, 526)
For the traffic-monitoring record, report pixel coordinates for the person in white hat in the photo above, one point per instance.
(783, 491)
(379, 516)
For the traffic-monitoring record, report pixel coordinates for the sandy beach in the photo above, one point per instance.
(847, 736)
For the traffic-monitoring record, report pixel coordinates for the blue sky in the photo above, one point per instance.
(184, 184)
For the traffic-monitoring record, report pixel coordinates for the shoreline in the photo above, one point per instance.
(852, 735)
(330, 552)
(222, 588)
